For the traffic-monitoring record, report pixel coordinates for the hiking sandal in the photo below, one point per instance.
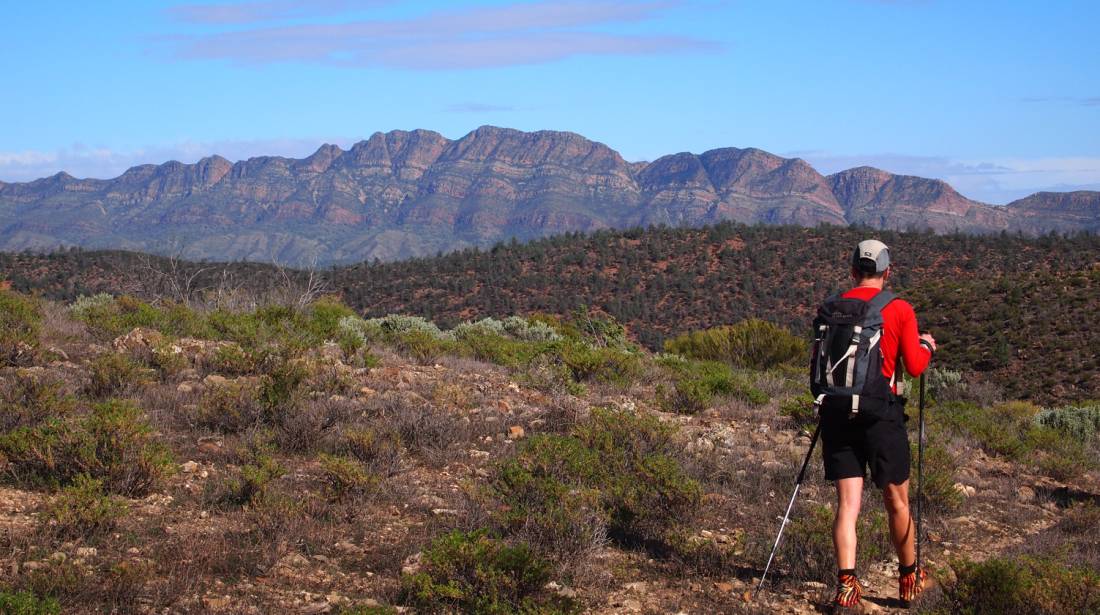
(911, 585)
(848, 594)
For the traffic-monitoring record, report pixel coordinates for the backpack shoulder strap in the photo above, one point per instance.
(881, 300)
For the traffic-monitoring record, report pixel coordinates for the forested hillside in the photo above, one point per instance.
(1019, 312)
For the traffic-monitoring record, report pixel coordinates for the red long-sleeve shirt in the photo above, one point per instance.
(899, 328)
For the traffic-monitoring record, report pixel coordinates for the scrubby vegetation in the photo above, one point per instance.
(474, 573)
(207, 455)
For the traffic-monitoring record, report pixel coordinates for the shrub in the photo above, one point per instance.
(396, 325)
(420, 345)
(750, 343)
(1013, 430)
(551, 497)
(514, 327)
(1079, 422)
(474, 573)
(27, 402)
(616, 470)
(645, 489)
(115, 374)
(808, 545)
(369, 610)
(799, 409)
(945, 384)
(251, 484)
(82, 509)
(499, 349)
(325, 315)
(168, 358)
(379, 451)
(697, 383)
(281, 385)
(231, 360)
(230, 407)
(1026, 584)
(344, 477)
(616, 365)
(938, 493)
(26, 603)
(112, 442)
(20, 326)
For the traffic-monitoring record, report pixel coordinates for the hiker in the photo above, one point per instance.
(860, 337)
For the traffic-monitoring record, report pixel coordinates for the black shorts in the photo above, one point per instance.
(850, 445)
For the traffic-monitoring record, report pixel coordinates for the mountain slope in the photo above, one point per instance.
(402, 194)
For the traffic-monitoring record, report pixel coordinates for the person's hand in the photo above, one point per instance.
(927, 337)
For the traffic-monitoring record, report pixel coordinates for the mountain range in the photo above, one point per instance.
(402, 194)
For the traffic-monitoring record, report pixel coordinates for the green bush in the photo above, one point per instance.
(551, 495)
(616, 469)
(696, 384)
(369, 610)
(231, 360)
(20, 326)
(379, 451)
(799, 409)
(82, 509)
(938, 493)
(421, 346)
(474, 573)
(115, 374)
(324, 316)
(27, 402)
(250, 485)
(612, 364)
(807, 547)
(26, 603)
(113, 443)
(1079, 422)
(344, 478)
(229, 408)
(1024, 585)
(1013, 430)
(750, 343)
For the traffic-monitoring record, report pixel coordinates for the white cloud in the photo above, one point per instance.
(82, 161)
(502, 35)
(994, 180)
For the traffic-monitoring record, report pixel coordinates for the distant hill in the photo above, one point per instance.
(1023, 313)
(402, 194)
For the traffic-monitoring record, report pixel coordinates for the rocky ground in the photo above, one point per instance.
(176, 550)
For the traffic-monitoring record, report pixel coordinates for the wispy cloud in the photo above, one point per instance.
(270, 10)
(996, 180)
(504, 35)
(476, 107)
(100, 162)
(1084, 101)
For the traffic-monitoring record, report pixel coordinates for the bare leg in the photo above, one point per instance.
(902, 533)
(849, 491)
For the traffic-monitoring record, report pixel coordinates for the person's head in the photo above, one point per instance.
(871, 261)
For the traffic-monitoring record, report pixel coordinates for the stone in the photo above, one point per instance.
(516, 432)
(189, 467)
(86, 552)
(725, 588)
(1025, 493)
(214, 380)
(186, 387)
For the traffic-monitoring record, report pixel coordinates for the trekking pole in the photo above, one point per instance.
(920, 462)
(790, 505)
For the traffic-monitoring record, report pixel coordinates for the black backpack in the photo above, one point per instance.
(846, 366)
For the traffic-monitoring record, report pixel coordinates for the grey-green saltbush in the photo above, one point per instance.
(1079, 422)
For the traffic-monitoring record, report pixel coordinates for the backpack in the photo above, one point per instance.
(846, 365)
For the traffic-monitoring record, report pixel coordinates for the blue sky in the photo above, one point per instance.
(1001, 99)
